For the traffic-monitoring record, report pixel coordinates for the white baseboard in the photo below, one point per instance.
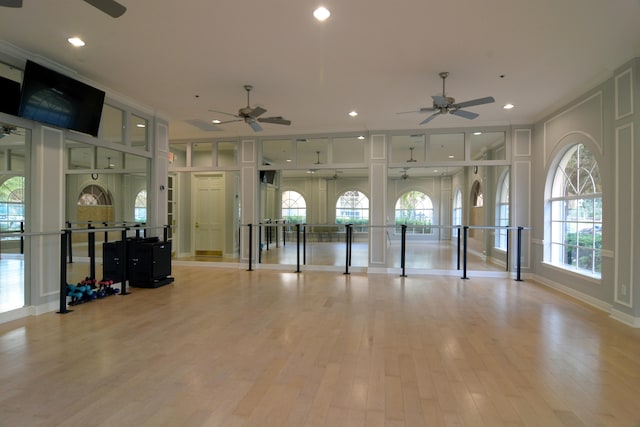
(618, 315)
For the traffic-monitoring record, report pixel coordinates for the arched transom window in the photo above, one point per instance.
(294, 207)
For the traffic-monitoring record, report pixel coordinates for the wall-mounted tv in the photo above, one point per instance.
(52, 98)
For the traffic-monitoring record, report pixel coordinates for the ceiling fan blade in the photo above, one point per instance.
(226, 114)
(479, 101)
(254, 125)
(110, 7)
(11, 3)
(465, 114)
(440, 101)
(420, 110)
(229, 121)
(256, 112)
(428, 119)
(278, 120)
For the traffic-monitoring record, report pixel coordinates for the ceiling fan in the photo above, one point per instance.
(6, 130)
(445, 104)
(110, 7)
(251, 115)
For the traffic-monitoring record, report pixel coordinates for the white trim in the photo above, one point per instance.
(616, 92)
(618, 249)
(581, 296)
(524, 153)
(625, 318)
(574, 273)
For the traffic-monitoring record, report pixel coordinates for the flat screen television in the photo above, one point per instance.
(55, 99)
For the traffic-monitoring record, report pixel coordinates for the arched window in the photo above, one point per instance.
(12, 204)
(502, 211)
(294, 207)
(93, 195)
(576, 212)
(140, 207)
(457, 208)
(415, 209)
(352, 208)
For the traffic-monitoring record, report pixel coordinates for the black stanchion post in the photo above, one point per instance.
(250, 247)
(403, 249)
(137, 226)
(304, 244)
(70, 249)
(165, 233)
(458, 247)
(298, 248)
(89, 226)
(21, 238)
(350, 243)
(63, 272)
(464, 254)
(106, 233)
(277, 241)
(92, 252)
(518, 254)
(284, 233)
(346, 268)
(125, 264)
(260, 243)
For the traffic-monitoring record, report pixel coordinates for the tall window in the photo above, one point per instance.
(457, 208)
(12, 204)
(352, 208)
(294, 208)
(415, 210)
(576, 212)
(140, 207)
(502, 211)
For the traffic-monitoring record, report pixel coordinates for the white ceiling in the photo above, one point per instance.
(377, 57)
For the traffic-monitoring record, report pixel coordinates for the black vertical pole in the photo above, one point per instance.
(304, 244)
(165, 233)
(277, 242)
(464, 255)
(519, 254)
(284, 233)
(89, 226)
(259, 243)
(22, 238)
(124, 264)
(92, 252)
(106, 233)
(347, 226)
(70, 249)
(403, 249)
(458, 247)
(297, 248)
(350, 244)
(250, 245)
(63, 272)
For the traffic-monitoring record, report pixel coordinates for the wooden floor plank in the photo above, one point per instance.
(227, 347)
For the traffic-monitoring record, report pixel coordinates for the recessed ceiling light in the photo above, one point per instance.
(361, 137)
(141, 125)
(321, 13)
(353, 113)
(508, 106)
(76, 41)
(216, 121)
(288, 160)
(477, 133)
(435, 171)
(451, 156)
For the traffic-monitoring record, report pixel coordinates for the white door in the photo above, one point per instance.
(208, 207)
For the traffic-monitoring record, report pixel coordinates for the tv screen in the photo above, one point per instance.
(52, 98)
(9, 96)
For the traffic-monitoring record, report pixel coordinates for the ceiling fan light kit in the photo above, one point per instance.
(251, 115)
(443, 104)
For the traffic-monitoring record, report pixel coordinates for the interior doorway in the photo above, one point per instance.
(208, 209)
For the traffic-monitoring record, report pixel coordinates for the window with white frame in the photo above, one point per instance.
(457, 208)
(576, 212)
(12, 204)
(140, 207)
(294, 207)
(415, 210)
(502, 212)
(352, 207)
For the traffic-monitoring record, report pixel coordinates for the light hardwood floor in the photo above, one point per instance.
(227, 347)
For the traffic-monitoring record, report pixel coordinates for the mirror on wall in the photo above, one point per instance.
(13, 215)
